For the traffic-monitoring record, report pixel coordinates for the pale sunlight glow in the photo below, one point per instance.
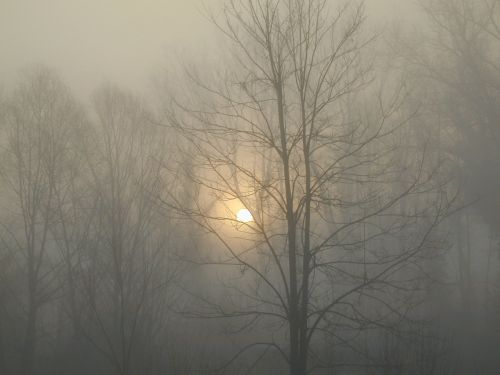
(244, 216)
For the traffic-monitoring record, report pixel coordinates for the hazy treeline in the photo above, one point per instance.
(368, 163)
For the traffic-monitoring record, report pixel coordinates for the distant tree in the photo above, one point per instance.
(292, 131)
(123, 267)
(458, 62)
(39, 118)
(456, 75)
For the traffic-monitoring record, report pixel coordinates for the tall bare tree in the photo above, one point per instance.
(292, 131)
(124, 270)
(40, 116)
(454, 70)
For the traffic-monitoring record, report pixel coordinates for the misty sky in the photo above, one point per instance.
(124, 41)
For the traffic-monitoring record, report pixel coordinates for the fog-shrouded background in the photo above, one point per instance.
(205, 187)
(125, 41)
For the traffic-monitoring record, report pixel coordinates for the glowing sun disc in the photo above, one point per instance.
(244, 216)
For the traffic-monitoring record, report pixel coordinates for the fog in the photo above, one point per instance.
(91, 41)
(121, 41)
(249, 187)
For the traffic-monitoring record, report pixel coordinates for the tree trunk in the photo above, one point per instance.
(28, 351)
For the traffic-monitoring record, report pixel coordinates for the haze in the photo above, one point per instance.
(111, 40)
(260, 187)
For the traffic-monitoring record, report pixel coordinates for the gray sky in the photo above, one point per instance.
(90, 41)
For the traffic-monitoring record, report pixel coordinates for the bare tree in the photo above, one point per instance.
(290, 132)
(455, 75)
(457, 63)
(39, 117)
(124, 269)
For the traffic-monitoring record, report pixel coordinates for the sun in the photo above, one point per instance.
(244, 216)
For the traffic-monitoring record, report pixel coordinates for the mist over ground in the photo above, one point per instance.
(250, 187)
